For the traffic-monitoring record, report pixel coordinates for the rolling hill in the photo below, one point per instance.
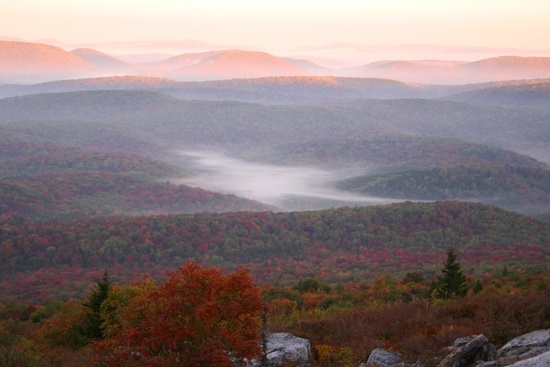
(104, 62)
(267, 90)
(336, 245)
(24, 62)
(239, 126)
(301, 89)
(521, 94)
(395, 152)
(388, 135)
(236, 64)
(81, 194)
(526, 189)
(456, 72)
(179, 61)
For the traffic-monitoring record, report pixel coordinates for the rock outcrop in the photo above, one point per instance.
(283, 349)
(529, 350)
(384, 358)
(465, 355)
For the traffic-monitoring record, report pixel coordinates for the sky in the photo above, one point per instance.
(283, 23)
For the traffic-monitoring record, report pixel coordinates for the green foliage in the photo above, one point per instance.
(46, 311)
(452, 284)
(311, 285)
(92, 327)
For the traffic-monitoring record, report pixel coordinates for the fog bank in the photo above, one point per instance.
(289, 188)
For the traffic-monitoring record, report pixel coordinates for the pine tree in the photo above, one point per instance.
(452, 284)
(92, 326)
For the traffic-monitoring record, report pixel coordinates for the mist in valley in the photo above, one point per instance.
(286, 187)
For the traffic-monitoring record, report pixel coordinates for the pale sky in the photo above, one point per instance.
(283, 23)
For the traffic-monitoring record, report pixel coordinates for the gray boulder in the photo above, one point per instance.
(542, 360)
(284, 348)
(524, 343)
(384, 358)
(466, 354)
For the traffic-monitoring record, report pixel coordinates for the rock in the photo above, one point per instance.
(539, 338)
(488, 364)
(488, 353)
(542, 360)
(461, 341)
(534, 352)
(384, 358)
(465, 355)
(286, 348)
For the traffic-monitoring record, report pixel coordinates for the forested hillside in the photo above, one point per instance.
(507, 186)
(337, 245)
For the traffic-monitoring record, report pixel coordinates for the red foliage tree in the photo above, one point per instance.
(198, 317)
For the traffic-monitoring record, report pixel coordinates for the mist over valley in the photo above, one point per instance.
(286, 187)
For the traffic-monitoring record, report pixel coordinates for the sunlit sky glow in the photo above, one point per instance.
(283, 23)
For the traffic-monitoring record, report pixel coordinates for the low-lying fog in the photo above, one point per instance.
(289, 188)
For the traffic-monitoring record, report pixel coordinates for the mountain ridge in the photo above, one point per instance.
(26, 62)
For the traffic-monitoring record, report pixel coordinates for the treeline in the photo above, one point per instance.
(340, 245)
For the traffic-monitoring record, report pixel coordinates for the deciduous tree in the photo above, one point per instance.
(198, 317)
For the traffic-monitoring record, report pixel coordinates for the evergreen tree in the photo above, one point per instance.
(92, 327)
(478, 287)
(452, 284)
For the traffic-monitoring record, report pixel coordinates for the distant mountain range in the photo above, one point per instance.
(24, 62)
(451, 72)
(532, 93)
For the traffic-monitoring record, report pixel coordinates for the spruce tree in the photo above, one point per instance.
(92, 326)
(452, 284)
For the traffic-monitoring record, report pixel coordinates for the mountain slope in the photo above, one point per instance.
(179, 61)
(104, 62)
(525, 189)
(236, 64)
(450, 72)
(103, 192)
(531, 95)
(27, 62)
(395, 152)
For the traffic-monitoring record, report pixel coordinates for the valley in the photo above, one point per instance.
(335, 192)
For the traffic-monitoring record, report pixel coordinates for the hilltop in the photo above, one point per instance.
(236, 64)
(28, 62)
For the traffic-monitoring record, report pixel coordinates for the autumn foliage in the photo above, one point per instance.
(198, 317)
